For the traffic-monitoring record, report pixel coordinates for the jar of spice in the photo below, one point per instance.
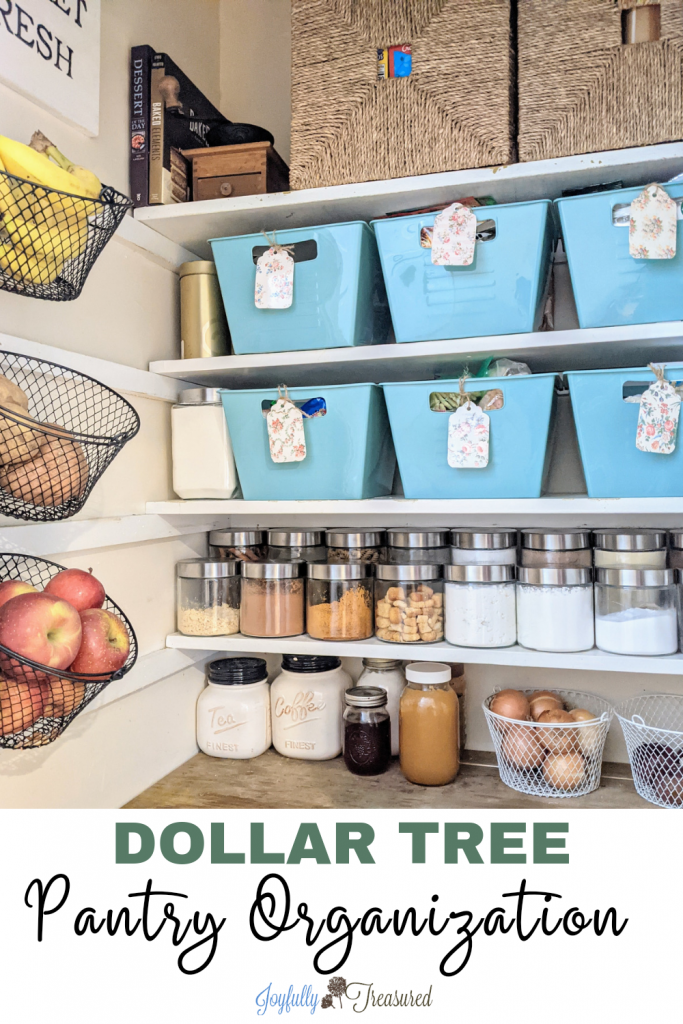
(490, 547)
(354, 546)
(295, 546)
(623, 549)
(207, 597)
(428, 725)
(561, 548)
(272, 598)
(307, 703)
(636, 611)
(555, 609)
(411, 547)
(233, 712)
(240, 545)
(409, 603)
(203, 462)
(339, 601)
(367, 732)
(479, 603)
(676, 551)
(388, 674)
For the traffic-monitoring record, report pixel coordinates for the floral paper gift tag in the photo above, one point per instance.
(285, 425)
(652, 226)
(453, 237)
(468, 438)
(660, 407)
(274, 287)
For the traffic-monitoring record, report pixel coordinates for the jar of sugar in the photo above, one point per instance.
(636, 611)
(479, 603)
(484, 547)
(555, 608)
(565, 548)
(634, 549)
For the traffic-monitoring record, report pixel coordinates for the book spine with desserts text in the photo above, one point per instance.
(140, 72)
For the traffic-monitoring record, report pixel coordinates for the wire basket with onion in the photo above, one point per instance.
(548, 742)
(653, 729)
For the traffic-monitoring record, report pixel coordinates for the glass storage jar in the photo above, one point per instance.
(367, 731)
(636, 611)
(410, 547)
(676, 551)
(635, 549)
(428, 725)
(555, 609)
(354, 545)
(307, 703)
(207, 597)
(479, 605)
(272, 598)
(484, 547)
(561, 548)
(409, 603)
(203, 462)
(241, 545)
(388, 674)
(339, 601)
(233, 712)
(295, 546)
(678, 576)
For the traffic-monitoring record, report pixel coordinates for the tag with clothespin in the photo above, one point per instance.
(468, 435)
(660, 408)
(454, 236)
(274, 288)
(285, 425)
(652, 225)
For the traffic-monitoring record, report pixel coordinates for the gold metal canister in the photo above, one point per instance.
(203, 326)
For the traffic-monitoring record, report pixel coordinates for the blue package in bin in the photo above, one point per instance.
(501, 292)
(606, 408)
(339, 298)
(349, 449)
(611, 287)
(518, 436)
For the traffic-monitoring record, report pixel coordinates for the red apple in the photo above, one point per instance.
(42, 628)
(81, 589)
(105, 643)
(21, 704)
(12, 588)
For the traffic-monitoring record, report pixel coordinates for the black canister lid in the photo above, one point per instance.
(237, 671)
(309, 663)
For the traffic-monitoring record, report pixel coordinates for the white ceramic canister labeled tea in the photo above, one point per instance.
(233, 712)
(307, 704)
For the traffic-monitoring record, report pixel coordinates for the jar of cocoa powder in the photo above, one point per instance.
(272, 598)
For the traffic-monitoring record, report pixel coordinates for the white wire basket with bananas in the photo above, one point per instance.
(55, 219)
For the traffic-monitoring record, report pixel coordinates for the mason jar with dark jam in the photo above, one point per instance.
(367, 731)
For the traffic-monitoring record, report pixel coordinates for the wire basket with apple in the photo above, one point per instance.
(62, 640)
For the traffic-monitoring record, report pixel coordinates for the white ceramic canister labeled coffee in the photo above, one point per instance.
(233, 712)
(307, 704)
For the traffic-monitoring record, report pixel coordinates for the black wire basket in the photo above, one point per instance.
(59, 431)
(37, 703)
(49, 240)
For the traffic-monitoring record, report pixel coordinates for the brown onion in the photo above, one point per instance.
(564, 771)
(588, 735)
(522, 749)
(511, 704)
(558, 741)
(546, 693)
(540, 704)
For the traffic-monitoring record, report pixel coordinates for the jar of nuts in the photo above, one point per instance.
(409, 603)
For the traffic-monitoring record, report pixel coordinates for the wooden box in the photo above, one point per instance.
(245, 169)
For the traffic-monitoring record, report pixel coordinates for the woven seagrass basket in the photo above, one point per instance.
(454, 110)
(582, 89)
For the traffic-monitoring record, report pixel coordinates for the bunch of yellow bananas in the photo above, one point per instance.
(39, 228)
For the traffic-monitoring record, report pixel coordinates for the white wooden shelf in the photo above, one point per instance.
(192, 224)
(593, 661)
(71, 535)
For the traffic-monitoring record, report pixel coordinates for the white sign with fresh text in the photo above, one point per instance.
(50, 52)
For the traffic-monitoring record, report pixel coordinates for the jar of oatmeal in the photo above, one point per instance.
(208, 597)
(272, 598)
(339, 601)
(409, 603)
(307, 704)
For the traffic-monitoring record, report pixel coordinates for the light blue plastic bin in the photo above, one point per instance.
(606, 429)
(339, 296)
(349, 451)
(517, 445)
(612, 288)
(502, 292)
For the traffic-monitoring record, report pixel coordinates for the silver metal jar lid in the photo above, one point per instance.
(556, 540)
(381, 664)
(417, 539)
(629, 540)
(635, 577)
(343, 571)
(206, 568)
(295, 538)
(406, 573)
(236, 538)
(199, 396)
(480, 573)
(555, 576)
(476, 540)
(366, 697)
(354, 538)
(272, 570)
(677, 539)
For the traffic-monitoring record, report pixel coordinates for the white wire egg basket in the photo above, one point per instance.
(552, 760)
(653, 729)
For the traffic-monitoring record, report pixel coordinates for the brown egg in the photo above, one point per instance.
(511, 704)
(564, 771)
(558, 741)
(522, 749)
(540, 704)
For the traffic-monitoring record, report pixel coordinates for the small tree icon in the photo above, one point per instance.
(337, 987)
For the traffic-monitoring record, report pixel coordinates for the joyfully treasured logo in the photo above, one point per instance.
(304, 708)
(361, 995)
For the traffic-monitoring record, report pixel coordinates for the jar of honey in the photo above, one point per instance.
(429, 725)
